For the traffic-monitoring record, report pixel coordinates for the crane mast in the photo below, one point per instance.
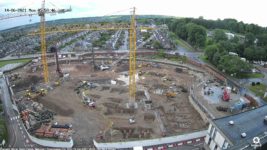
(132, 61)
(43, 42)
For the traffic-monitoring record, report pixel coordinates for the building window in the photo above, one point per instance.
(209, 141)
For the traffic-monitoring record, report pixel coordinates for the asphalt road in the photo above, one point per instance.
(18, 137)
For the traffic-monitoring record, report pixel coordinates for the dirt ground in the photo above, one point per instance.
(110, 118)
(67, 104)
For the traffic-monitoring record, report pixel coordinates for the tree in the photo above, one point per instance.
(219, 35)
(227, 46)
(216, 58)
(210, 51)
(161, 53)
(235, 40)
(196, 35)
(262, 40)
(249, 53)
(249, 39)
(193, 31)
(233, 65)
(181, 31)
(157, 45)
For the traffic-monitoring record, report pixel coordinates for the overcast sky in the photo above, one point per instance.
(248, 11)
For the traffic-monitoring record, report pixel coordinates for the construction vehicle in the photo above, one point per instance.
(132, 48)
(226, 95)
(57, 83)
(143, 65)
(41, 12)
(103, 67)
(170, 94)
(131, 120)
(88, 101)
(65, 126)
(85, 85)
(140, 73)
(58, 69)
(36, 94)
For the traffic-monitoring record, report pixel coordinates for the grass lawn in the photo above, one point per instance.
(250, 75)
(259, 90)
(204, 58)
(162, 56)
(183, 44)
(5, 62)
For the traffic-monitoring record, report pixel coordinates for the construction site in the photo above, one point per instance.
(126, 80)
(89, 103)
(116, 96)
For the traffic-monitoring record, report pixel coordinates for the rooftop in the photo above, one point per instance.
(249, 122)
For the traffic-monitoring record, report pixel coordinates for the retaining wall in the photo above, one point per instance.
(151, 142)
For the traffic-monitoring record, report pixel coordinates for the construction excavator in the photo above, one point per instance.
(170, 94)
(58, 69)
(34, 95)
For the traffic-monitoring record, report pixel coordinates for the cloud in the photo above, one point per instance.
(248, 11)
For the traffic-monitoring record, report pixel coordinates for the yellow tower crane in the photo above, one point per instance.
(132, 60)
(132, 50)
(132, 47)
(41, 13)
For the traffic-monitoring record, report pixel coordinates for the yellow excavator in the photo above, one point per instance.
(35, 95)
(170, 94)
